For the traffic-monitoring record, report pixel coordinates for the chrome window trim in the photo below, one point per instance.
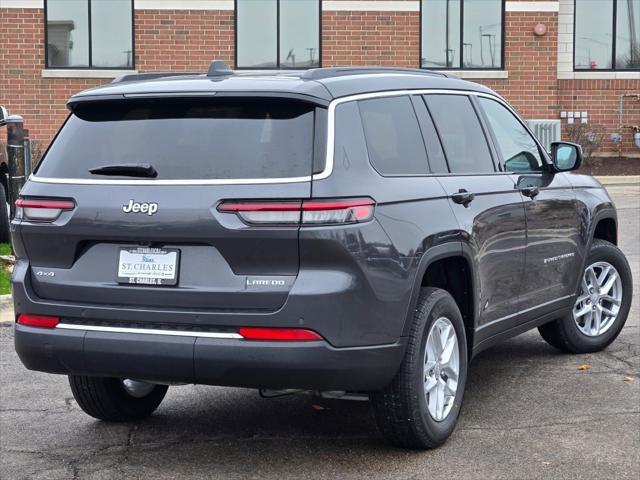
(176, 333)
(329, 161)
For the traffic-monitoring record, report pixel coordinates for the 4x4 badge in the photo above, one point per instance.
(138, 207)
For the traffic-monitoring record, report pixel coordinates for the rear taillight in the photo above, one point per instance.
(43, 210)
(41, 321)
(301, 212)
(279, 334)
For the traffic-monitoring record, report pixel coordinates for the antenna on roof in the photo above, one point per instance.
(218, 68)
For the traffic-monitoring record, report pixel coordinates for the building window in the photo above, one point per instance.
(607, 35)
(277, 33)
(461, 34)
(89, 33)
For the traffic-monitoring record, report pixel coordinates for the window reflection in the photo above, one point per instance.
(479, 45)
(518, 149)
(89, 33)
(299, 33)
(628, 34)
(111, 34)
(259, 32)
(482, 35)
(68, 33)
(593, 33)
(441, 33)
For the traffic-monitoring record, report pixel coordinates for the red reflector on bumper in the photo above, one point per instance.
(41, 321)
(279, 334)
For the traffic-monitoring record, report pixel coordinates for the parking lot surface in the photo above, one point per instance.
(530, 412)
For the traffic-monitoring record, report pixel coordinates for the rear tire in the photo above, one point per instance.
(572, 336)
(108, 399)
(5, 236)
(403, 410)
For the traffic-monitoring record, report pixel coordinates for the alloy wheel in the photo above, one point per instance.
(441, 368)
(598, 303)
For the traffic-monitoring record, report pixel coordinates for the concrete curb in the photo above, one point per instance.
(610, 180)
(6, 310)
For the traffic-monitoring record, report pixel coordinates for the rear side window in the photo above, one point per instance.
(462, 137)
(187, 139)
(393, 137)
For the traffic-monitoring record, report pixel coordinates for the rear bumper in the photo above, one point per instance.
(213, 361)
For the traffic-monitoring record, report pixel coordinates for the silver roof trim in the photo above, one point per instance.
(328, 168)
(147, 331)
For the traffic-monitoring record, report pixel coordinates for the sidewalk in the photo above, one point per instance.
(609, 180)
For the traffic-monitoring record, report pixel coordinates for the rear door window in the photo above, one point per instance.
(187, 139)
(437, 160)
(460, 131)
(393, 136)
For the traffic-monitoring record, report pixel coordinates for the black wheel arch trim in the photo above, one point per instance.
(607, 213)
(432, 255)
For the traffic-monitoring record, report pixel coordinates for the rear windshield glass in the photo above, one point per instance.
(187, 139)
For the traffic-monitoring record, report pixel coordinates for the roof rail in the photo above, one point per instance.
(218, 68)
(137, 77)
(322, 73)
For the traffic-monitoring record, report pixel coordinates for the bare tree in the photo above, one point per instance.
(590, 136)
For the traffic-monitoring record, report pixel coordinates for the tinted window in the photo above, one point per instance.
(263, 25)
(187, 139)
(437, 160)
(461, 133)
(477, 45)
(518, 149)
(89, 33)
(394, 141)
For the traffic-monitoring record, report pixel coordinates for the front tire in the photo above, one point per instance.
(601, 307)
(114, 399)
(420, 408)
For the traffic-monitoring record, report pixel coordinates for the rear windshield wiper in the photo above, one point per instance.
(126, 170)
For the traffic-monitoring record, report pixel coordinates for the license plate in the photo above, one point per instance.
(148, 266)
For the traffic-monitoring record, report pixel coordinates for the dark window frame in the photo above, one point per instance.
(613, 44)
(278, 65)
(90, 66)
(460, 63)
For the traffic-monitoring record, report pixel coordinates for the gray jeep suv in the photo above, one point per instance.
(356, 230)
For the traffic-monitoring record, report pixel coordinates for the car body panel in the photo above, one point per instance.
(356, 284)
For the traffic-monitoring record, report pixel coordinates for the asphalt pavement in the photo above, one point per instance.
(529, 412)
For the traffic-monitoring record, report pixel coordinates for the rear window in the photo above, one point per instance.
(187, 139)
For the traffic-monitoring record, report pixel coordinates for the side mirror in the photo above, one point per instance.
(566, 156)
(3, 115)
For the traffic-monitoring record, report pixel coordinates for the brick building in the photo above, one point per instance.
(573, 63)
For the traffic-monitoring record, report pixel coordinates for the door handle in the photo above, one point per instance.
(531, 192)
(462, 197)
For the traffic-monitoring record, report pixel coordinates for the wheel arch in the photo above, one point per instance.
(448, 266)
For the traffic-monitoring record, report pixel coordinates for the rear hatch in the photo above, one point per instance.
(145, 228)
